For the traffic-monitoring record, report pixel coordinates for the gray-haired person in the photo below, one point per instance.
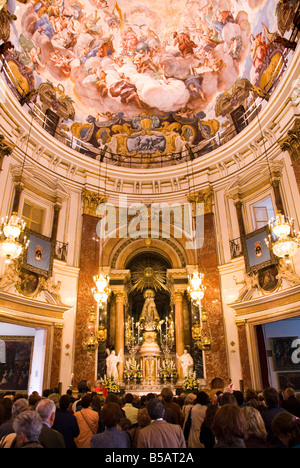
(27, 426)
(49, 438)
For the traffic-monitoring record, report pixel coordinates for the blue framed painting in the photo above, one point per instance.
(256, 253)
(39, 255)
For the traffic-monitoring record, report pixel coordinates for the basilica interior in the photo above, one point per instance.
(149, 194)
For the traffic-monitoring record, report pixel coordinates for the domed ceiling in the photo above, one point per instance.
(150, 81)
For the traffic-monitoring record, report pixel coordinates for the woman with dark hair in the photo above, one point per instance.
(229, 427)
(207, 437)
(65, 422)
(112, 437)
(286, 427)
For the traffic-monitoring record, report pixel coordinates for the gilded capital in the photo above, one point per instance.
(177, 296)
(121, 297)
(6, 148)
(91, 201)
(291, 142)
(202, 196)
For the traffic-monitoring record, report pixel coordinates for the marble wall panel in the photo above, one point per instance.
(84, 362)
(215, 360)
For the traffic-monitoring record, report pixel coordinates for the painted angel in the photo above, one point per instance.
(31, 54)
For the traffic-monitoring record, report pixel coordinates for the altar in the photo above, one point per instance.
(149, 362)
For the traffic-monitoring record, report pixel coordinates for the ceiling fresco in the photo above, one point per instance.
(148, 79)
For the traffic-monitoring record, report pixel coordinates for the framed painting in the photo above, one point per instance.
(15, 362)
(284, 351)
(28, 283)
(268, 279)
(256, 253)
(289, 380)
(39, 255)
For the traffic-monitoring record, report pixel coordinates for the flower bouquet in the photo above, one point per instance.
(111, 385)
(190, 383)
(168, 370)
(132, 370)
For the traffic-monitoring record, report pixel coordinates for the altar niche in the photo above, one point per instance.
(149, 337)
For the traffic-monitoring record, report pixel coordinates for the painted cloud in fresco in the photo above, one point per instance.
(133, 56)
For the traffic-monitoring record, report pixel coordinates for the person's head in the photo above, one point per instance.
(251, 395)
(286, 427)
(86, 400)
(254, 423)
(143, 418)
(167, 394)
(111, 415)
(289, 392)
(128, 398)
(27, 425)
(83, 386)
(64, 402)
(96, 401)
(33, 399)
(155, 409)
(210, 414)
(18, 406)
(271, 397)
(55, 398)
(125, 424)
(190, 398)
(239, 397)
(202, 399)
(229, 423)
(112, 398)
(227, 399)
(46, 409)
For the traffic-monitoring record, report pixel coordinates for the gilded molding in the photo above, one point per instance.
(240, 322)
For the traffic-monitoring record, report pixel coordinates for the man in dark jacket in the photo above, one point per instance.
(49, 438)
(290, 402)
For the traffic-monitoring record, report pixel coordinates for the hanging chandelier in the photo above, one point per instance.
(201, 329)
(101, 292)
(196, 288)
(282, 238)
(13, 241)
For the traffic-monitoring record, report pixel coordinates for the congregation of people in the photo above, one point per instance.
(223, 418)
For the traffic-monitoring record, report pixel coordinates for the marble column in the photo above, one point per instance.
(177, 299)
(239, 212)
(85, 362)
(57, 208)
(244, 353)
(207, 258)
(16, 203)
(121, 301)
(56, 355)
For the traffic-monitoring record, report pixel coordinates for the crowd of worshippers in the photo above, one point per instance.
(96, 419)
